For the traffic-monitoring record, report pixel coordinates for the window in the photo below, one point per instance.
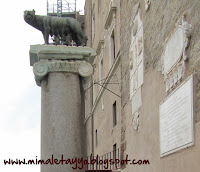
(102, 105)
(113, 46)
(99, 5)
(101, 73)
(96, 138)
(114, 114)
(101, 70)
(114, 151)
(94, 91)
(93, 23)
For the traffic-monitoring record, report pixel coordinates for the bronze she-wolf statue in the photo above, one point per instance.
(63, 29)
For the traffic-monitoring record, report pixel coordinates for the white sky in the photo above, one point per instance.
(20, 96)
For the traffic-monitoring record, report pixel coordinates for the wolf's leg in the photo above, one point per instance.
(46, 31)
(76, 39)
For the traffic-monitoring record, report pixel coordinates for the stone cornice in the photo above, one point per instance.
(99, 47)
(110, 16)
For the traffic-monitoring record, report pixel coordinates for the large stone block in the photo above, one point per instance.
(51, 52)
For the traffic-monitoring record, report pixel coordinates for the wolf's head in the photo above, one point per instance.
(29, 16)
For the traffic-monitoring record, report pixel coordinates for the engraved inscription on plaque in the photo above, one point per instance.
(176, 119)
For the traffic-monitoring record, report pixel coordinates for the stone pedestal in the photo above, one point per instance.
(62, 72)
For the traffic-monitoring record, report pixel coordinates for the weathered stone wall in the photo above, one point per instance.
(159, 23)
(99, 101)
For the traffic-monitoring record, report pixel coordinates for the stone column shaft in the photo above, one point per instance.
(60, 70)
(62, 131)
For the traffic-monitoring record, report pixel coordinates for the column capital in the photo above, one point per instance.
(50, 58)
(43, 67)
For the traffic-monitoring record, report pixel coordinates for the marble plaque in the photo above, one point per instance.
(174, 49)
(176, 119)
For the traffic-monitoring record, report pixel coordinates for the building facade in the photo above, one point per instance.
(143, 99)
(103, 96)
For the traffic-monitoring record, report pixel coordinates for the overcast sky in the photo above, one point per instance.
(20, 96)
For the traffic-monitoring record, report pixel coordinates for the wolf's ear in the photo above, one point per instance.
(33, 11)
(25, 12)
